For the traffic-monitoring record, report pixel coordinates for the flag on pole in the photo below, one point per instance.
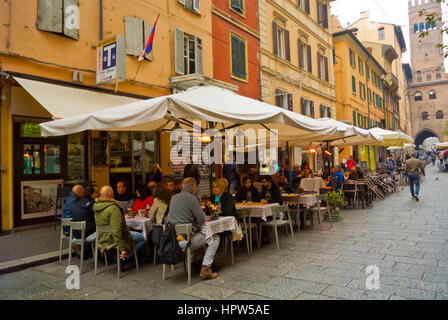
(148, 47)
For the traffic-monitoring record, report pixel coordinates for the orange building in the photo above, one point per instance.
(236, 45)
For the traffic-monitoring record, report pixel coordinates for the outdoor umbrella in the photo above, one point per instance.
(441, 145)
(391, 138)
(206, 104)
(407, 146)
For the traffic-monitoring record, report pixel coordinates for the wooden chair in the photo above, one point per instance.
(350, 190)
(108, 229)
(78, 226)
(277, 222)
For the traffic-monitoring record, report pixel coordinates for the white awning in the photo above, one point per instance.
(206, 103)
(64, 102)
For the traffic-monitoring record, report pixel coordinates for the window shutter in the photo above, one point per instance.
(319, 12)
(354, 118)
(310, 67)
(325, 15)
(49, 15)
(287, 47)
(290, 103)
(242, 58)
(319, 72)
(197, 6)
(353, 84)
(133, 30)
(274, 36)
(351, 56)
(307, 6)
(179, 66)
(198, 55)
(326, 69)
(312, 109)
(301, 64)
(278, 98)
(70, 32)
(302, 106)
(322, 111)
(181, 2)
(235, 51)
(188, 4)
(147, 32)
(329, 112)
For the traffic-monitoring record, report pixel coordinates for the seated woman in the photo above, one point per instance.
(221, 197)
(247, 192)
(160, 205)
(144, 198)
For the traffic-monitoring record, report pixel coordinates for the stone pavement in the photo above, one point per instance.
(407, 240)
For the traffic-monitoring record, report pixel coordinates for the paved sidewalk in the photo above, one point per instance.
(407, 240)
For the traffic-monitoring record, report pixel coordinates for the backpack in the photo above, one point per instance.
(169, 250)
(157, 231)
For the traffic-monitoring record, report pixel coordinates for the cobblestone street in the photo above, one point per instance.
(408, 241)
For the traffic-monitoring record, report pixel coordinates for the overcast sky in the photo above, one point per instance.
(388, 11)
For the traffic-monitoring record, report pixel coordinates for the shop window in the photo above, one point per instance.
(30, 130)
(52, 156)
(31, 159)
(76, 157)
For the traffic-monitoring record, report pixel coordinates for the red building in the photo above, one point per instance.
(236, 45)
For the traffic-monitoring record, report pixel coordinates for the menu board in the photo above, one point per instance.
(100, 152)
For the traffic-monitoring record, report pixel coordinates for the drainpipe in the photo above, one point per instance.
(101, 20)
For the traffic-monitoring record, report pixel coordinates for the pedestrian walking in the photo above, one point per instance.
(441, 158)
(390, 165)
(414, 168)
(433, 158)
(344, 163)
(350, 163)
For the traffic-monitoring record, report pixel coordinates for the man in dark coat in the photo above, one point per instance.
(271, 192)
(247, 192)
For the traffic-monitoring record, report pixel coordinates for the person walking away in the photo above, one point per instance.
(433, 158)
(441, 158)
(414, 168)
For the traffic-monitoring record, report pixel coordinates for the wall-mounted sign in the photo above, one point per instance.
(111, 61)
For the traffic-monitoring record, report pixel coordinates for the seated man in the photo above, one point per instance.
(107, 212)
(339, 176)
(353, 174)
(84, 212)
(284, 185)
(185, 208)
(247, 192)
(70, 204)
(271, 192)
(125, 197)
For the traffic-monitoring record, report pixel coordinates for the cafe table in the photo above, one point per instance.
(142, 224)
(257, 209)
(212, 227)
(308, 200)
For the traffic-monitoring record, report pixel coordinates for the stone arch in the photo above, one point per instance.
(423, 135)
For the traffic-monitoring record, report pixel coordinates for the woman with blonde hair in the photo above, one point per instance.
(222, 197)
(156, 174)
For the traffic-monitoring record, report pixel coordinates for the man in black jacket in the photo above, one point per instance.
(247, 192)
(271, 192)
(84, 211)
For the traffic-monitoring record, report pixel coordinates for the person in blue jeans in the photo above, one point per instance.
(414, 168)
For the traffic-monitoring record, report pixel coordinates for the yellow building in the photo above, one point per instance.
(296, 54)
(48, 69)
(397, 112)
(359, 92)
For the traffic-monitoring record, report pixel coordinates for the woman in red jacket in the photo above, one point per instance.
(144, 198)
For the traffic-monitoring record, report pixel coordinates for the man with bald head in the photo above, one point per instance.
(107, 212)
(70, 204)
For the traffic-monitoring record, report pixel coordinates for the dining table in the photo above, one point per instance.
(258, 209)
(211, 227)
(139, 223)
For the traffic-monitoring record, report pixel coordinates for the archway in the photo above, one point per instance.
(423, 135)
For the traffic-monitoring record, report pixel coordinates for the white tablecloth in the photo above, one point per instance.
(259, 211)
(141, 224)
(209, 228)
(308, 200)
(312, 184)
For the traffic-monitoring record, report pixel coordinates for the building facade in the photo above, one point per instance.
(360, 94)
(396, 117)
(427, 77)
(296, 60)
(48, 69)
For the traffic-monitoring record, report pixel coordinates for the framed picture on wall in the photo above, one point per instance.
(38, 198)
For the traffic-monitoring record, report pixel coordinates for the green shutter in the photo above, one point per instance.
(238, 57)
(353, 84)
(354, 118)
(351, 57)
(360, 89)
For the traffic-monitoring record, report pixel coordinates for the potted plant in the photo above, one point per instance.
(216, 212)
(335, 202)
